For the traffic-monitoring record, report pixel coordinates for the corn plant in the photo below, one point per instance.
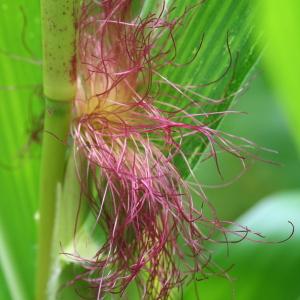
(125, 102)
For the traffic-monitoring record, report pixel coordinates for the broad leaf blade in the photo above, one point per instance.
(18, 167)
(227, 55)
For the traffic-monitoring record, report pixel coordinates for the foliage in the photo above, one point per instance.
(229, 48)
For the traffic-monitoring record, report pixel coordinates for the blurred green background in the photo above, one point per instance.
(264, 198)
(266, 124)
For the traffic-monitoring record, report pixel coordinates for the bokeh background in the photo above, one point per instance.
(265, 198)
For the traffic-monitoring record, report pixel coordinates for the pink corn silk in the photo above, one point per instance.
(130, 137)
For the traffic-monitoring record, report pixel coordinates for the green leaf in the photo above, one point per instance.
(10, 271)
(261, 270)
(281, 23)
(229, 51)
(19, 168)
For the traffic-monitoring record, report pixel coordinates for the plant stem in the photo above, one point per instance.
(52, 172)
(59, 40)
(59, 76)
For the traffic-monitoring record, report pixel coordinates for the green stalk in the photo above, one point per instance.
(59, 74)
(59, 40)
(52, 173)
